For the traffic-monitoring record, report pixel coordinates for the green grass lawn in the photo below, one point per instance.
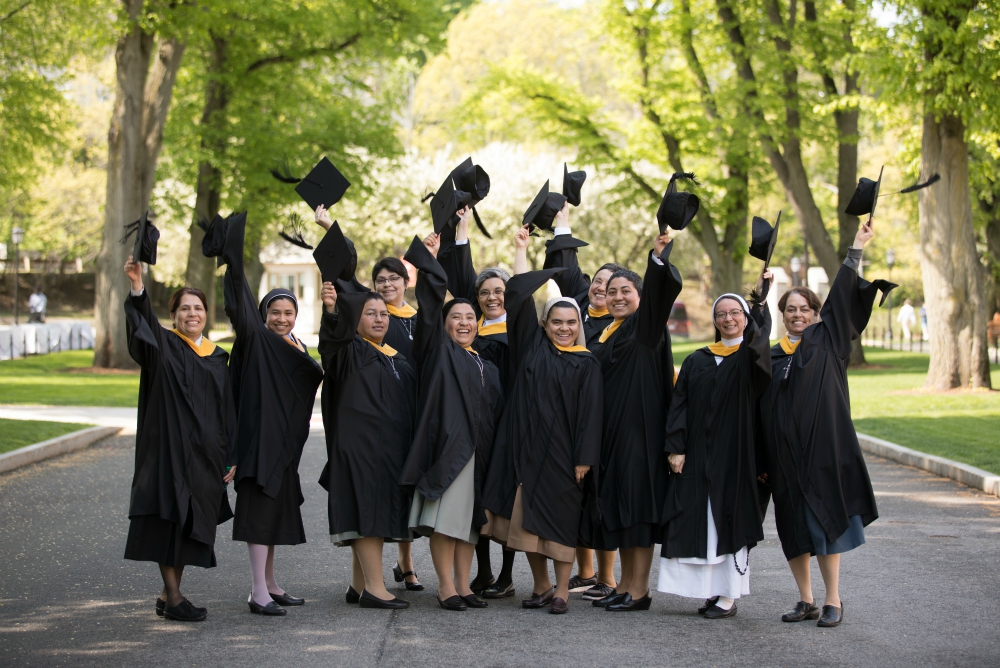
(47, 379)
(16, 434)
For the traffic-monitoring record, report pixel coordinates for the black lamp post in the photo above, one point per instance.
(17, 236)
(890, 260)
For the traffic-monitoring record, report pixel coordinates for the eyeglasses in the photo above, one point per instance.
(496, 291)
(391, 279)
(735, 313)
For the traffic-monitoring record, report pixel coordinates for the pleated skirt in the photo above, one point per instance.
(265, 521)
(152, 538)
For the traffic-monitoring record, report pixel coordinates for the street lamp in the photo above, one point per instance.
(890, 261)
(796, 265)
(17, 236)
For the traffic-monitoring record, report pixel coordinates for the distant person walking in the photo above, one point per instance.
(907, 318)
(36, 305)
(925, 333)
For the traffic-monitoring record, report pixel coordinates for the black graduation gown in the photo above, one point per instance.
(812, 451)
(458, 402)
(574, 283)
(277, 388)
(712, 422)
(456, 260)
(551, 424)
(369, 402)
(183, 443)
(400, 334)
(638, 370)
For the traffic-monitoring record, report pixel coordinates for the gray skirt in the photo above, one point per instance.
(847, 541)
(450, 515)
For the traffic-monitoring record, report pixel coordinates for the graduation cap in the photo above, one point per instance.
(543, 209)
(563, 242)
(468, 184)
(336, 256)
(146, 236)
(867, 193)
(444, 204)
(214, 242)
(763, 238)
(292, 233)
(323, 185)
(677, 209)
(572, 184)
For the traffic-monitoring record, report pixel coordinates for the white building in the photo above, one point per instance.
(293, 268)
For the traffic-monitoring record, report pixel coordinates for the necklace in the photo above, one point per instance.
(479, 363)
(408, 325)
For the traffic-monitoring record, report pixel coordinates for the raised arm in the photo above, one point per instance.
(660, 288)
(561, 251)
(432, 283)
(456, 260)
(143, 331)
(758, 348)
(523, 330)
(337, 329)
(241, 307)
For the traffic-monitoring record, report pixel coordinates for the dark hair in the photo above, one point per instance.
(452, 304)
(374, 296)
(562, 303)
(804, 292)
(393, 264)
(175, 299)
(629, 276)
(613, 267)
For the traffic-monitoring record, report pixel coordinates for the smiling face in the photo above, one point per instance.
(490, 298)
(391, 286)
(598, 288)
(374, 320)
(281, 316)
(190, 316)
(730, 318)
(460, 324)
(622, 299)
(798, 315)
(562, 326)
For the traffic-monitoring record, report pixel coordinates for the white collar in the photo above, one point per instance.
(732, 342)
(794, 339)
(502, 318)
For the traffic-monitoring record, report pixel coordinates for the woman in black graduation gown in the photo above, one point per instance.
(552, 427)
(184, 454)
(485, 291)
(458, 403)
(711, 515)
(369, 402)
(637, 366)
(822, 494)
(276, 382)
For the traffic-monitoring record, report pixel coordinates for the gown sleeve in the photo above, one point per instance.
(142, 330)
(456, 261)
(523, 331)
(676, 439)
(589, 420)
(660, 288)
(432, 283)
(571, 282)
(241, 307)
(759, 349)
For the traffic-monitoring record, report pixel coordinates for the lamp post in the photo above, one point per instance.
(796, 265)
(890, 261)
(16, 236)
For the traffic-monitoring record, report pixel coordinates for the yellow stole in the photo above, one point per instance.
(294, 344)
(596, 313)
(572, 349)
(204, 350)
(787, 345)
(718, 348)
(383, 348)
(469, 348)
(406, 311)
(495, 328)
(610, 329)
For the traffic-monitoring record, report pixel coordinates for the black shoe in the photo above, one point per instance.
(598, 591)
(613, 597)
(474, 601)
(370, 601)
(481, 583)
(454, 603)
(160, 605)
(272, 609)
(832, 616)
(286, 599)
(578, 584)
(352, 596)
(708, 605)
(539, 600)
(400, 576)
(184, 612)
(802, 611)
(496, 591)
(715, 612)
(558, 606)
(628, 604)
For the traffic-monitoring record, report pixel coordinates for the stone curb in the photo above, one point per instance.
(963, 473)
(54, 447)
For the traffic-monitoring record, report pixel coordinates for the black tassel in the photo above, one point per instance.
(295, 239)
(203, 225)
(685, 176)
(130, 229)
(918, 186)
(479, 223)
(427, 197)
(282, 172)
(293, 232)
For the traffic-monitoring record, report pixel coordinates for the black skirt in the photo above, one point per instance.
(642, 534)
(266, 521)
(152, 538)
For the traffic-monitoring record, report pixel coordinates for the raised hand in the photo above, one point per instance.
(323, 217)
(134, 272)
(562, 218)
(433, 243)
(522, 238)
(462, 228)
(661, 242)
(329, 296)
(864, 235)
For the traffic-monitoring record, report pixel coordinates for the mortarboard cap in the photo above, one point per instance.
(763, 238)
(473, 180)
(573, 184)
(336, 256)
(865, 196)
(444, 204)
(214, 242)
(323, 185)
(563, 242)
(677, 209)
(543, 209)
(146, 236)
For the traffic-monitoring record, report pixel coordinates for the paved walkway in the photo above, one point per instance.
(101, 416)
(925, 590)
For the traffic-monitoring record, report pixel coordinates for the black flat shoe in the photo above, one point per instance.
(802, 611)
(578, 584)
(184, 612)
(474, 601)
(454, 603)
(272, 609)
(708, 604)
(832, 616)
(613, 597)
(495, 591)
(400, 576)
(286, 600)
(481, 583)
(352, 596)
(370, 601)
(715, 612)
(628, 604)
(160, 605)
(539, 600)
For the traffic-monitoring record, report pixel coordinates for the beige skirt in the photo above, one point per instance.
(450, 515)
(511, 532)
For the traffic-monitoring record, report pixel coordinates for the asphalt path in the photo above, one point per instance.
(924, 590)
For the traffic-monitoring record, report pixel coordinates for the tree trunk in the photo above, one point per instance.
(952, 273)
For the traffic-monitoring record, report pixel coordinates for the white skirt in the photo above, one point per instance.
(715, 575)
